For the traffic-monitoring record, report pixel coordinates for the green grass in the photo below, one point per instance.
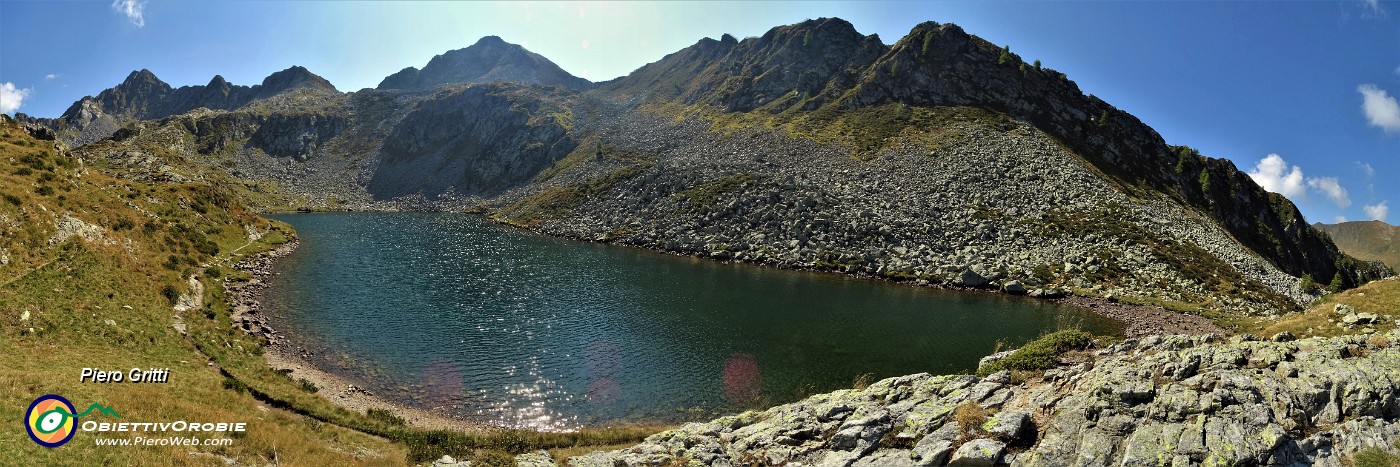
(384, 416)
(77, 303)
(1376, 457)
(558, 201)
(1191, 262)
(866, 131)
(1040, 354)
(707, 194)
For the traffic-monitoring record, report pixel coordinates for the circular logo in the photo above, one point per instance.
(49, 421)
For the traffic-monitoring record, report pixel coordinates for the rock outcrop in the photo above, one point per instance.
(1173, 400)
(474, 141)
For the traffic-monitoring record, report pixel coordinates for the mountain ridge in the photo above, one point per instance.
(941, 160)
(1367, 240)
(546, 156)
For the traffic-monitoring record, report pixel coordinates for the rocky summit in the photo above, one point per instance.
(143, 96)
(489, 60)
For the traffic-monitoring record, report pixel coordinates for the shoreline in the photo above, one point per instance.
(244, 299)
(1137, 320)
(281, 354)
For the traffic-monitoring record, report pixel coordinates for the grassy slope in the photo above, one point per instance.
(75, 293)
(149, 239)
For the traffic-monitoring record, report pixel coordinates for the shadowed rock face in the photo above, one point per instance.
(474, 141)
(489, 60)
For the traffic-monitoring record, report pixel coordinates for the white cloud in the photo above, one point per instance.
(1374, 8)
(1333, 190)
(1380, 108)
(1273, 174)
(1366, 167)
(135, 10)
(52, 76)
(1397, 70)
(1377, 211)
(11, 97)
(1339, 219)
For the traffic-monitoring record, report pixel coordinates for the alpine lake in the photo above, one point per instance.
(454, 313)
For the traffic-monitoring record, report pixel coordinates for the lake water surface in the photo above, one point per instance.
(451, 312)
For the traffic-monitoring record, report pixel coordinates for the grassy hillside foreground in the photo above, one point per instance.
(91, 268)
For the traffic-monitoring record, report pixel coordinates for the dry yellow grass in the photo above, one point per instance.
(1380, 297)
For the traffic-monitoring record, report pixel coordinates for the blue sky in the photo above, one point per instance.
(1300, 94)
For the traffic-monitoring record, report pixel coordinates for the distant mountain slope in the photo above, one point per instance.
(1368, 240)
(488, 60)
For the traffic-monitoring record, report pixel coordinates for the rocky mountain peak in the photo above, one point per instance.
(491, 40)
(490, 59)
(139, 85)
(810, 60)
(296, 77)
(143, 78)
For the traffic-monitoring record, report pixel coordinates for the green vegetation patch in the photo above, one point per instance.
(558, 201)
(1190, 261)
(710, 193)
(1040, 354)
(866, 131)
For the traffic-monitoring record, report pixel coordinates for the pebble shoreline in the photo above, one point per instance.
(283, 354)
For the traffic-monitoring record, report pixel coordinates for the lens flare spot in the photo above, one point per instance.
(742, 379)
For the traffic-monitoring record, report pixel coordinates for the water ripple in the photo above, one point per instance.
(452, 313)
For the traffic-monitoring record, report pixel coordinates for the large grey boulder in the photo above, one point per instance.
(980, 451)
(971, 278)
(1011, 426)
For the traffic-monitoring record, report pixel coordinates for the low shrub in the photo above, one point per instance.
(970, 417)
(385, 416)
(1041, 353)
